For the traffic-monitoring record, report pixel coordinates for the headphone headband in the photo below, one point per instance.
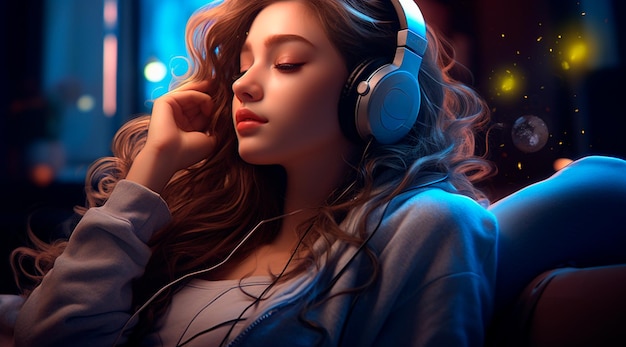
(412, 33)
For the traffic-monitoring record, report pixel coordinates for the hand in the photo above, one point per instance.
(178, 125)
(177, 135)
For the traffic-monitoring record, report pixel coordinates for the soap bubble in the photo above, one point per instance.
(529, 133)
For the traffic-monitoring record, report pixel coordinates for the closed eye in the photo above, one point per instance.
(288, 67)
(284, 67)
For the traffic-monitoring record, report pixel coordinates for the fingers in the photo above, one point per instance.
(180, 122)
(190, 108)
(193, 110)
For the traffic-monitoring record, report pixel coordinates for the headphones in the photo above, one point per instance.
(380, 99)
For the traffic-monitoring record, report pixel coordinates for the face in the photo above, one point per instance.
(285, 104)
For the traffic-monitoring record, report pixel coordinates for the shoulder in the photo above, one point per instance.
(436, 216)
(431, 234)
(438, 205)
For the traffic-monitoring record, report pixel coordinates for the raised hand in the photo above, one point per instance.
(177, 135)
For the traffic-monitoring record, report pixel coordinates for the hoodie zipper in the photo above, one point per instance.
(252, 326)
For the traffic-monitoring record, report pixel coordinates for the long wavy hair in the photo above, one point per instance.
(217, 201)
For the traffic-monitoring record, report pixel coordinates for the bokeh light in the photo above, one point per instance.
(574, 51)
(155, 71)
(508, 82)
(42, 175)
(561, 163)
(85, 103)
(578, 52)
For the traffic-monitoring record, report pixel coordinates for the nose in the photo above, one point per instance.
(246, 88)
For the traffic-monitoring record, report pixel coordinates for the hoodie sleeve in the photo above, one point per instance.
(85, 300)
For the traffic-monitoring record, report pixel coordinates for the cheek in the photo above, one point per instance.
(316, 102)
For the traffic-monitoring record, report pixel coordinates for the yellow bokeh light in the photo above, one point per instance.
(578, 52)
(508, 84)
(578, 49)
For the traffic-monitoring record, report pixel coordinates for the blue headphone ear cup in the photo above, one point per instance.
(348, 103)
(389, 104)
(379, 100)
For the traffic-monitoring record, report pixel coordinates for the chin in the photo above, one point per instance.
(253, 157)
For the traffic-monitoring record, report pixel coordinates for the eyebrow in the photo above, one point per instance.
(278, 39)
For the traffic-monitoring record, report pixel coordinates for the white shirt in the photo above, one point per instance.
(204, 311)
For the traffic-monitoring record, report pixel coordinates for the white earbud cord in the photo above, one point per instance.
(195, 273)
(248, 235)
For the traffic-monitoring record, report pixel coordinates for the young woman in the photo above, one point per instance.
(249, 209)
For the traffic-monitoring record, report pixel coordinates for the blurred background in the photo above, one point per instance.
(74, 71)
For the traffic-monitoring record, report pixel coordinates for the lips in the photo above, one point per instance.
(246, 120)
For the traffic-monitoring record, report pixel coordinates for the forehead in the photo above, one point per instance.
(287, 18)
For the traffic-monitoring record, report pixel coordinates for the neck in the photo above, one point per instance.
(310, 182)
(310, 185)
(311, 179)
